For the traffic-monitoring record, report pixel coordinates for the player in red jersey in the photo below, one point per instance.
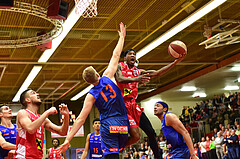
(52, 152)
(128, 76)
(30, 125)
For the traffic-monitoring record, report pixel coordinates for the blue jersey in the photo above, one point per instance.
(9, 134)
(174, 139)
(95, 146)
(109, 100)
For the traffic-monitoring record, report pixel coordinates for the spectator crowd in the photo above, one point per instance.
(221, 114)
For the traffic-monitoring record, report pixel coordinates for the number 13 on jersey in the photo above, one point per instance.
(108, 88)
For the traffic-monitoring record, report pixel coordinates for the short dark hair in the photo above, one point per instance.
(56, 139)
(96, 119)
(125, 53)
(23, 97)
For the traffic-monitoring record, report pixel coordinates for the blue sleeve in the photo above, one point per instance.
(95, 93)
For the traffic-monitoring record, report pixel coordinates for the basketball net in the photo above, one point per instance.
(88, 8)
(207, 32)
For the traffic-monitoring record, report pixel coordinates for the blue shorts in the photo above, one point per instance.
(114, 134)
(180, 152)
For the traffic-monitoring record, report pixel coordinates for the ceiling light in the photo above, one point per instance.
(235, 68)
(199, 94)
(231, 88)
(180, 26)
(82, 93)
(188, 88)
(27, 82)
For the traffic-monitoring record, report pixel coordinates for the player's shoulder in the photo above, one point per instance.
(22, 112)
(170, 116)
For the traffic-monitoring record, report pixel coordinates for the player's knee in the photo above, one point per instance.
(137, 136)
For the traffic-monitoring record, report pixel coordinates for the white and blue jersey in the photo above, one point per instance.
(113, 115)
(175, 141)
(95, 146)
(9, 134)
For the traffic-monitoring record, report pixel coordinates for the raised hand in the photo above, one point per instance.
(63, 109)
(62, 148)
(122, 31)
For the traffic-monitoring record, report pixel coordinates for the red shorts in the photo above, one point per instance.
(133, 111)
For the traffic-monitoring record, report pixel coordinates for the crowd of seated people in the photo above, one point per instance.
(222, 143)
(220, 109)
(142, 150)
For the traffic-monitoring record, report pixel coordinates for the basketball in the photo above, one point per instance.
(177, 48)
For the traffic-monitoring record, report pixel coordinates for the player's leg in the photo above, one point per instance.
(146, 126)
(134, 132)
(135, 135)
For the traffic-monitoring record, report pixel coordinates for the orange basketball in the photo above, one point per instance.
(177, 48)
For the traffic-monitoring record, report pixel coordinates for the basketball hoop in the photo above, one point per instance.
(87, 8)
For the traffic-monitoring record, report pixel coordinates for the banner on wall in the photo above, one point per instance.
(79, 153)
(80, 133)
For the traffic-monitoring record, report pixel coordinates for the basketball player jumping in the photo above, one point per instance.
(107, 97)
(128, 76)
(178, 139)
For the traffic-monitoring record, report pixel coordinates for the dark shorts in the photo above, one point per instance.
(180, 152)
(114, 134)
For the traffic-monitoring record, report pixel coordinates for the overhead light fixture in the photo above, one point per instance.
(180, 26)
(67, 26)
(188, 88)
(199, 94)
(27, 82)
(229, 88)
(82, 93)
(235, 68)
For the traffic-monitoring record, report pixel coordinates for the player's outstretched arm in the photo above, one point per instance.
(173, 121)
(63, 129)
(161, 71)
(31, 127)
(113, 64)
(86, 149)
(121, 79)
(6, 145)
(87, 106)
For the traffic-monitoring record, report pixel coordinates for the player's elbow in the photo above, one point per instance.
(63, 133)
(31, 131)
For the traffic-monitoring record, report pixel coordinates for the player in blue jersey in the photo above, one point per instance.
(93, 142)
(8, 132)
(107, 97)
(178, 139)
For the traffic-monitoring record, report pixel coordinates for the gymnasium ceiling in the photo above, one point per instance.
(92, 40)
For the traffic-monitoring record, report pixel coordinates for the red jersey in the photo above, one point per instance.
(30, 146)
(54, 154)
(129, 90)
